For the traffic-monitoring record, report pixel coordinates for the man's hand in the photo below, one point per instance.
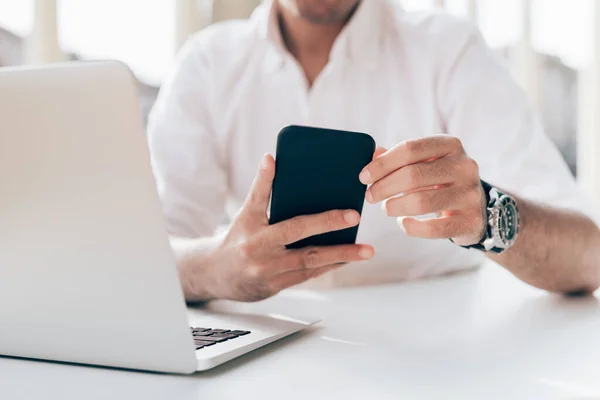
(252, 262)
(432, 175)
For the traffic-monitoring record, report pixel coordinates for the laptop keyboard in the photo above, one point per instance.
(204, 337)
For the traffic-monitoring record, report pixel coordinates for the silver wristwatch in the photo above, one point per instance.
(503, 222)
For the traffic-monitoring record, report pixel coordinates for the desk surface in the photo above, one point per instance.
(478, 335)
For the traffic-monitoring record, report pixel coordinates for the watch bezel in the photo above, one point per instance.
(507, 203)
(492, 240)
(497, 241)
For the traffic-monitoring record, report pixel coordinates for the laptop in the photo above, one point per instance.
(86, 271)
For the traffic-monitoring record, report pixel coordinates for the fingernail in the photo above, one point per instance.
(384, 206)
(400, 222)
(365, 176)
(351, 217)
(369, 196)
(366, 253)
(264, 164)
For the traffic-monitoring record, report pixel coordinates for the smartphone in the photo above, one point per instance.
(317, 171)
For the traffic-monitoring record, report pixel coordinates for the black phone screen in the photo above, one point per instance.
(316, 171)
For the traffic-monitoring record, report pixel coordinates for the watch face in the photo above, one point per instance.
(508, 220)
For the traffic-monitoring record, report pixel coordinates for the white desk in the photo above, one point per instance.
(480, 335)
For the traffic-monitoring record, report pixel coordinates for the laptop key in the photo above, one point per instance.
(199, 334)
(224, 336)
(212, 339)
(203, 343)
(219, 330)
(238, 333)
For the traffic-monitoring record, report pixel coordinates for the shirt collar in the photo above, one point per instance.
(359, 42)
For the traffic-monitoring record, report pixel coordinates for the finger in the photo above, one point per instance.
(446, 227)
(302, 227)
(317, 257)
(442, 171)
(258, 199)
(289, 279)
(410, 152)
(379, 151)
(432, 201)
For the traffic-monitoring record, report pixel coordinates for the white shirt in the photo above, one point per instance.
(393, 74)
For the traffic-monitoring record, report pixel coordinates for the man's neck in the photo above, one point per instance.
(309, 43)
(302, 37)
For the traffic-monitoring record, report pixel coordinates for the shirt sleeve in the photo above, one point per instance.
(483, 106)
(190, 175)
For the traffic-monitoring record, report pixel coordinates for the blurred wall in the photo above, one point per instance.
(233, 9)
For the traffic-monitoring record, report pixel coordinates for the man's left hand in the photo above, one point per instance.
(432, 175)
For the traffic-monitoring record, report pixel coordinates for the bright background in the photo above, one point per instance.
(548, 44)
(103, 28)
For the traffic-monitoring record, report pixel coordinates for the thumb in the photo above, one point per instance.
(258, 199)
(379, 151)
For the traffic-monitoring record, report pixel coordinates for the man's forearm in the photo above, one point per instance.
(194, 260)
(557, 250)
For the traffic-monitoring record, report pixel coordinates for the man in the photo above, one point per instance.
(402, 77)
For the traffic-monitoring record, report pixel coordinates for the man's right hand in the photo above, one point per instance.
(252, 262)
